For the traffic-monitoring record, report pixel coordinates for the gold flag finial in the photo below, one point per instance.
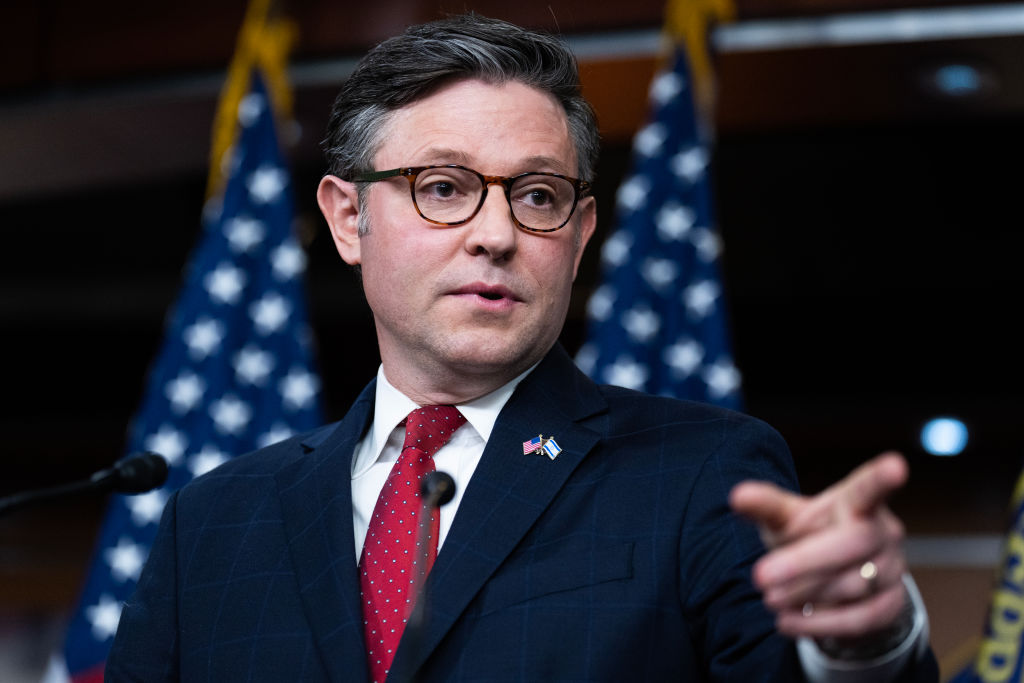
(264, 42)
(689, 22)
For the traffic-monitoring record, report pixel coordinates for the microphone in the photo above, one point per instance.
(436, 489)
(135, 474)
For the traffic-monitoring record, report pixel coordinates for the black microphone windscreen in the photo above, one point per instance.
(140, 473)
(437, 488)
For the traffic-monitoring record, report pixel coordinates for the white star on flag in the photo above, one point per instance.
(253, 365)
(203, 337)
(250, 107)
(244, 234)
(723, 378)
(230, 414)
(185, 391)
(104, 617)
(700, 298)
(659, 272)
(125, 559)
(690, 164)
(666, 86)
(615, 250)
(225, 283)
(168, 442)
(632, 194)
(707, 243)
(288, 260)
(278, 432)
(146, 508)
(206, 460)
(684, 357)
(674, 220)
(650, 139)
(270, 313)
(602, 303)
(641, 323)
(586, 358)
(266, 183)
(626, 372)
(298, 388)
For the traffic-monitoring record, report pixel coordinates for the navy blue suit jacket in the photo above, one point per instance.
(617, 561)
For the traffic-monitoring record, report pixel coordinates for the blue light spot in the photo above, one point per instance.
(958, 79)
(944, 436)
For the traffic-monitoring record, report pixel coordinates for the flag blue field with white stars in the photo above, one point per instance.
(234, 373)
(657, 322)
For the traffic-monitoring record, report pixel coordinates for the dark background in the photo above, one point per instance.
(871, 228)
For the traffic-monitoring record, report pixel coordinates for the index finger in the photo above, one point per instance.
(767, 504)
(871, 484)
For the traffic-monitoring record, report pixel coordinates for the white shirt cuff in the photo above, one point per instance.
(820, 668)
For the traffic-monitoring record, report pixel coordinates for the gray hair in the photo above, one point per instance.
(411, 66)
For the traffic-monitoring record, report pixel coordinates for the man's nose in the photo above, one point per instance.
(492, 231)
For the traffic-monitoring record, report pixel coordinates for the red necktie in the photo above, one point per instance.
(391, 561)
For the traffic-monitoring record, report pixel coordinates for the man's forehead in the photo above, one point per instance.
(471, 122)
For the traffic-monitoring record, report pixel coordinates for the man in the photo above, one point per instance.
(606, 550)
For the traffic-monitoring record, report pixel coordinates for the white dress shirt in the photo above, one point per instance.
(378, 451)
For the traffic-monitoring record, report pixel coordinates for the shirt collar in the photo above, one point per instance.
(392, 406)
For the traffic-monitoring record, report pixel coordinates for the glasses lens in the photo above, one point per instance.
(447, 195)
(542, 202)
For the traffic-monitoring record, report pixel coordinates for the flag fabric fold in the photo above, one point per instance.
(1000, 656)
(657, 321)
(235, 371)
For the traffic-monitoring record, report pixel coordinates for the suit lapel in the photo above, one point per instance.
(316, 505)
(507, 494)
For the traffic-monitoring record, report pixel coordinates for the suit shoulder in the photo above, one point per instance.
(662, 432)
(643, 407)
(263, 463)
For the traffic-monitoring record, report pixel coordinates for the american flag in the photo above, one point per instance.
(532, 445)
(234, 373)
(657, 322)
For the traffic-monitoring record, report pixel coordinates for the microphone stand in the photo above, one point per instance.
(136, 474)
(437, 489)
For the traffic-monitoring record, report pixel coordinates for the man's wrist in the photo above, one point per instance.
(819, 667)
(875, 644)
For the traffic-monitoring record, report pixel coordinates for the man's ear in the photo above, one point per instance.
(588, 223)
(339, 203)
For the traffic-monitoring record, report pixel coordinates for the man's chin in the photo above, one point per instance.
(484, 356)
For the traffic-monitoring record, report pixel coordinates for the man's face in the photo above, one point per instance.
(484, 299)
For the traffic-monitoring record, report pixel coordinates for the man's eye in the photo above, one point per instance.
(540, 197)
(537, 197)
(440, 188)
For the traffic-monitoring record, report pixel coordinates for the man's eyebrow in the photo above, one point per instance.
(444, 155)
(447, 155)
(544, 163)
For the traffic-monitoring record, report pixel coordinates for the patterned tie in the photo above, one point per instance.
(391, 561)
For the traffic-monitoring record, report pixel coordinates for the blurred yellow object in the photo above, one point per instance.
(689, 22)
(264, 42)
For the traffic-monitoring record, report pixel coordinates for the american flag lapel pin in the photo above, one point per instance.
(539, 444)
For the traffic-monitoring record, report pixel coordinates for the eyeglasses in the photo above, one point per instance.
(452, 195)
